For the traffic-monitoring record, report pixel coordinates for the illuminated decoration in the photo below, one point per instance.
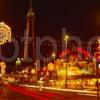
(73, 71)
(66, 37)
(97, 55)
(83, 51)
(80, 50)
(59, 64)
(62, 73)
(5, 33)
(53, 55)
(99, 41)
(33, 71)
(50, 66)
(3, 67)
(64, 53)
(99, 66)
(18, 62)
(60, 84)
(44, 68)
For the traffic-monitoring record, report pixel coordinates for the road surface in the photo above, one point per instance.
(20, 93)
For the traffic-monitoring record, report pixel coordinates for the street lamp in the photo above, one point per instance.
(97, 83)
(18, 63)
(54, 56)
(99, 41)
(66, 40)
(97, 67)
(66, 37)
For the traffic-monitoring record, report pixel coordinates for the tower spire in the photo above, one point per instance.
(30, 12)
(30, 4)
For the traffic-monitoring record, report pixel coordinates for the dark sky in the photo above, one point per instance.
(82, 17)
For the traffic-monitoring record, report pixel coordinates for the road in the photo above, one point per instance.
(8, 94)
(20, 93)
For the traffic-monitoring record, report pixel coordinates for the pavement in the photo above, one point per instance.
(88, 92)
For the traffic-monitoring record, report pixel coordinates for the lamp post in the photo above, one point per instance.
(37, 68)
(18, 63)
(97, 83)
(54, 56)
(66, 41)
(97, 54)
(44, 62)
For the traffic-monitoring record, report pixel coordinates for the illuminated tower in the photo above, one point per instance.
(29, 36)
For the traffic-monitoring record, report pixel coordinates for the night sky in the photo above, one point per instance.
(81, 17)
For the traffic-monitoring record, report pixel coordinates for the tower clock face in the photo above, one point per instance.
(5, 33)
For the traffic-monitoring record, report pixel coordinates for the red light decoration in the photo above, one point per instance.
(80, 50)
(64, 53)
(84, 52)
(97, 56)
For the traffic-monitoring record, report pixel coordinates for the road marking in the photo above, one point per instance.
(93, 95)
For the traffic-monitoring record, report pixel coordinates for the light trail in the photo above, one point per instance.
(66, 90)
(25, 92)
(35, 94)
